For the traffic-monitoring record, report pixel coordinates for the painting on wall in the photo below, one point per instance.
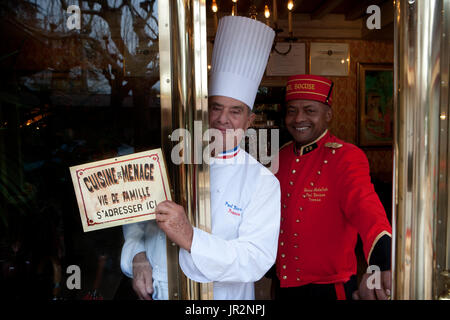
(375, 104)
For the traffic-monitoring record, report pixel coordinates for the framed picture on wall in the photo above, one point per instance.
(329, 59)
(375, 90)
(287, 59)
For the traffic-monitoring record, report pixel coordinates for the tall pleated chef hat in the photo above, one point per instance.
(241, 50)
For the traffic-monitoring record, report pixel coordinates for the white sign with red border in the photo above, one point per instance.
(120, 190)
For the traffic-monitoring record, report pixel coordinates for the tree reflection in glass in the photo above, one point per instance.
(69, 96)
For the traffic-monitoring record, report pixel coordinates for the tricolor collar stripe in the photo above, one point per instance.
(229, 154)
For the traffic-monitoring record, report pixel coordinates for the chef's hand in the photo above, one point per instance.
(142, 277)
(172, 219)
(382, 293)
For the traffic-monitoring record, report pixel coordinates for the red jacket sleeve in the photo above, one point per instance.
(358, 199)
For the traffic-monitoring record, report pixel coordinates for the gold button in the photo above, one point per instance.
(318, 172)
(312, 184)
(297, 220)
(282, 219)
(333, 152)
(304, 196)
(295, 246)
(298, 279)
(281, 243)
(295, 234)
(288, 195)
(284, 277)
(293, 171)
(297, 160)
(283, 255)
(325, 161)
(295, 258)
(301, 209)
(284, 206)
(281, 231)
(284, 266)
(291, 183)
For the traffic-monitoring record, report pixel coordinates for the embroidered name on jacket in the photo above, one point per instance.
(315, 194)
(233, 209)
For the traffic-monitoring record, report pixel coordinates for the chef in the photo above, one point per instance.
(245, 196)
(327, 199)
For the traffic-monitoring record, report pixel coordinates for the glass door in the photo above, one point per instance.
(80, 82)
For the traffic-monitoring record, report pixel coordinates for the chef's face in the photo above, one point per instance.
(306, 120)
(228, 114)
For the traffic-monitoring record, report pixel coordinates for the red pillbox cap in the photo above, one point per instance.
(309, 87)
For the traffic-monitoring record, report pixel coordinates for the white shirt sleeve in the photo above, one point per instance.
(134, 243)
(246, 258)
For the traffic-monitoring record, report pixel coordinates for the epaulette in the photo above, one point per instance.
(333, 145)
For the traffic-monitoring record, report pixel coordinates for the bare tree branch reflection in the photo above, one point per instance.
(69, 97)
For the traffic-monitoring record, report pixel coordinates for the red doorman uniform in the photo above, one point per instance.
(327, 198)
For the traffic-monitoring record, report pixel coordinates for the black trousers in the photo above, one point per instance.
(314, 291)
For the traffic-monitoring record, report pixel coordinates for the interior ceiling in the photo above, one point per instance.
(353, 9)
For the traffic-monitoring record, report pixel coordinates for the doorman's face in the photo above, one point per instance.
(306, 120)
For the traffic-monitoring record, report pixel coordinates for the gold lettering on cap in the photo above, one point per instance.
(303, 86)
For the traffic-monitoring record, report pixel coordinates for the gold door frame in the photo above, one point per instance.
(184, 100)
(421, 246)
(442, 277)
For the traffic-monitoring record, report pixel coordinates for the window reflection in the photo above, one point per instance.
(67, 97)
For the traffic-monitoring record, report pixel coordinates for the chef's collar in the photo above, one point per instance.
(310, 146)
(229, 153)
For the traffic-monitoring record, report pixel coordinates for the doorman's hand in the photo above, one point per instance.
(172, 219)
(380, 291)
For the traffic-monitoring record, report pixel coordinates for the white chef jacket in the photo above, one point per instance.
(147, 237)
(245, 213)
